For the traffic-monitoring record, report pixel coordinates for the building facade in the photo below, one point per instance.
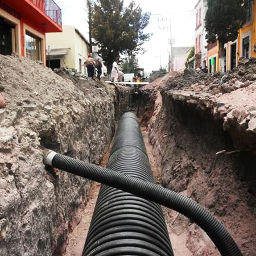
(23, 25)
(67, 49)
(213, 60)
(178, 58)
(245, 44)
(200, 41)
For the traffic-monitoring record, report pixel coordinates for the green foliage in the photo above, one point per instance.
(118, 29)
(162, 70)
(223, 20)
(190, 55)
(129, 64)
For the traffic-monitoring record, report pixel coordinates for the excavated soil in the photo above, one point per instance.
(200, 140)
(38, 208)
(200, 134)
(199, 160)
(204, 144)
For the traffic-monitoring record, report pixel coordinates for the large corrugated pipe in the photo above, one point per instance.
(123, 223)
(141, 234)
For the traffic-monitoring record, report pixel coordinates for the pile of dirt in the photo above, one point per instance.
(242, 76)
(199, 159)
(203, 132)
(44, 110)
(156, 74)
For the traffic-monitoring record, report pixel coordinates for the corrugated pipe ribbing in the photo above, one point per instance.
(124, 224)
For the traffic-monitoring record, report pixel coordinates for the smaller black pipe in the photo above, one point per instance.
(153, 192)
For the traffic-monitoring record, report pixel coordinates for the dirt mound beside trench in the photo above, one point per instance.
(45, 110)
(241, 76)
(204, 140)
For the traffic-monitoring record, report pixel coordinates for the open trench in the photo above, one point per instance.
(189, 153)
(187, 146)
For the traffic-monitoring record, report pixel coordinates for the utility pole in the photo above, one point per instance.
(164, 23)
(171, 41)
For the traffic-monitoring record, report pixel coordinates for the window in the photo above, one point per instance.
(199, 22)
(33, 47)
(80, 65)
(199, 43)
(249, 10)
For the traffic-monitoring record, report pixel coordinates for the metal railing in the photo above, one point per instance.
(50, 8)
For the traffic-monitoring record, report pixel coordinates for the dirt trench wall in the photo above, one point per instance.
(45, 110)
(185, 140)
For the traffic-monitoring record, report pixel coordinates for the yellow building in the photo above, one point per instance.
(67, 49)
(245, 45)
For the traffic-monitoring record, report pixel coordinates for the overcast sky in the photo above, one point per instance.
(170, 20)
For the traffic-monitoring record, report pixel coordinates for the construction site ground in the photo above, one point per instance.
(200, 134)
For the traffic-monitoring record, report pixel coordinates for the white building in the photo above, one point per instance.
(67, 49)
(200, 41)
(178, 58)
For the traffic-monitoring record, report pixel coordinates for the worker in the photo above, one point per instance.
(98, 65)
(90, 64)
(115, 71)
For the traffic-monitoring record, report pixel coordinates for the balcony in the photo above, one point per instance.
(43, 14)
(50, 8)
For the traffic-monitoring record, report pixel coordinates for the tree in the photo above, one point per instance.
(118, 29)
(129, 64)
(190, 55)
(89, 5)
(223, 20)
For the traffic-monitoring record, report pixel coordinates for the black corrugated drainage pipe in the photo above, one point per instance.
(123, 224)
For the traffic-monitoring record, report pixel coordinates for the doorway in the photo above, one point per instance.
(214, 64)
(210, 66)
(225, 61)
(55, 63)
(246, 47)
(6, 40)
(233, 56)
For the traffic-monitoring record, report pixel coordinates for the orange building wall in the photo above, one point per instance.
(247, 28)
(214, 52)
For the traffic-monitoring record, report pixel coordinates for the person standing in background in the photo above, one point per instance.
(115, 71)
(89, 63)
(98, 65)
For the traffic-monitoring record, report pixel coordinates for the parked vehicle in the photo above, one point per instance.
(128, 77)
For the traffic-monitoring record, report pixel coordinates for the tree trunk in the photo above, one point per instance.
(90, 23)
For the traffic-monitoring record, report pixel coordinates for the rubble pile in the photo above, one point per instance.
(44, 110)
(230, 97)
(203, 132)
(71, 73)
(242, 76)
